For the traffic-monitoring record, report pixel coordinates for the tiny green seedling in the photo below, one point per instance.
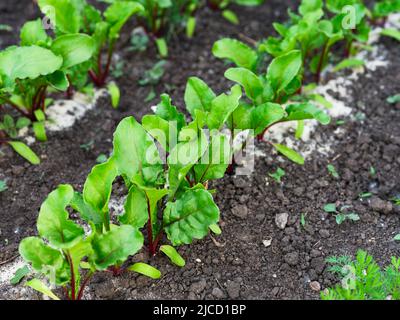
(332, 171)
(20, 274)
(153, 75)
(277, 175)
(3, 185)
(397, 237)
(396, 200)
(337, 264)
(365, 195)
(393, 99)
(101, 158)
(342, 214)
(139, 42)
(303, 219)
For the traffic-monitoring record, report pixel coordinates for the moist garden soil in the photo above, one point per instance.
(239, 264)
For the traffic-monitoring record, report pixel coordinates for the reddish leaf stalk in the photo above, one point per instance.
(320, 64)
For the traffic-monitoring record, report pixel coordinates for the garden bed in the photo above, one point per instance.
(240, 263)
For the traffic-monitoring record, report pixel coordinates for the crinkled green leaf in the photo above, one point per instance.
(115, 246)
(190, 217)
(53, 222)
(98, 187)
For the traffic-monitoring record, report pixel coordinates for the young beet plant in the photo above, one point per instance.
(70, 17)
(309, 32)
(40, 64)
(267, 101)
(67, 256)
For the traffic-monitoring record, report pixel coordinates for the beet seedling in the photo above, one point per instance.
(341, 215)
(39, 65)
(104, 28)
(268, 95)
(66, 255)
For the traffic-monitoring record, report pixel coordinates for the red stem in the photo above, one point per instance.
(84, 284)
(320, 63)
(71, 266)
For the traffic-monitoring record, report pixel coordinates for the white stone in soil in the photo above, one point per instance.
(63, 114)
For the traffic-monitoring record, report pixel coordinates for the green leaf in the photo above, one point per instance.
(173, 255)
(397, 237)
(62, 14)
(58, 80)
(135, 152)
(198, 96)
(24, 151)
(115, 94)
(190, 27)
(74, 48)
(304, 111)
(98, 187)
(216, 229)
(251, 83)
(330, 208)
(40, 286)
(44, 259)
(348, 63)
(265, 115)
(28, 62)
(159, 129)
(284, 69)
(390, 32)
(332, 171)
(289, 153)
(162, 47)
(236, 51)
(146, 270)
(393, 99)
(230, 16)
(19, 275)
(168, 112)
(277, 175)
(53, 223)
(115, 246)
(190, 217)
(40, 131)
(32, 33)
(118, 13)
(136, 208)
(3, 186)
(216, 160)
(87, 213)
(222, 107)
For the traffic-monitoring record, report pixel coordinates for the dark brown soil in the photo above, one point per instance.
(235, 264)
